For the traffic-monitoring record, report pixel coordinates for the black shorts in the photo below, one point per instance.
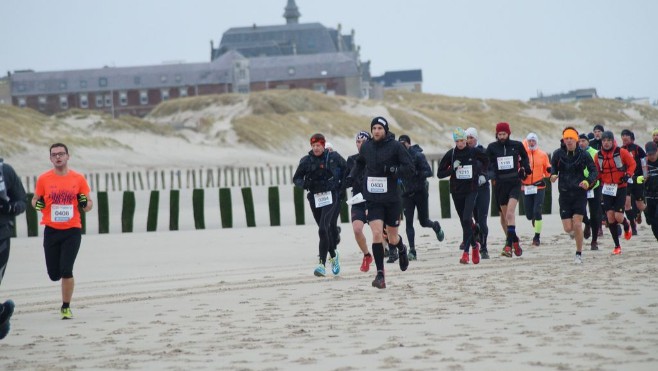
(615, 203)
(506, 190)
(636, 191)
(358, 212)
(572, 203)
(61, 247)
(389, 212)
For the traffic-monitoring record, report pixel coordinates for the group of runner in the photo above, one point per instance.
(61, 195)
(389, 179)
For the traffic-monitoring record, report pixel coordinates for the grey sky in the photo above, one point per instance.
(507, 49)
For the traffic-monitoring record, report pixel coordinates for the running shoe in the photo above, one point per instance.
(536, 241)
(404, 258)
(464, 259)
(617, 251)
(484, 253)
(578, 259)
(335, 264)
(628, 234)
(595, 245)
(412, 254)
(5, 315)
(518, 251)
(365, 264)
(507, 251)
(392, 254)
(587, 233)
(634, 230)
(320, 271)
(439, 232)
(379, 281)
(475, 253)
(66, 313)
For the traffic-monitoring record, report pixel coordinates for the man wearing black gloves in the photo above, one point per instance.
(384, 160)
(12, 202)
(415, 195)
(635, 197)
(509, 161)
(321, 173)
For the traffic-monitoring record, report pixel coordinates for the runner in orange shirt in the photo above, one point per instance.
(60, 194)
(534, 186)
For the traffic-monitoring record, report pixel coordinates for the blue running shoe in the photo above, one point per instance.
(5, 315)
(335, 264)
(320, 270)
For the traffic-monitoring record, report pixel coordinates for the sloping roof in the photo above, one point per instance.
(303, 67)
(394, 77)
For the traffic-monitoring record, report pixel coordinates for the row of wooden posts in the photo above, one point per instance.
(226, 208)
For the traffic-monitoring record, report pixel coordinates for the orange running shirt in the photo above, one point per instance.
(60, 193)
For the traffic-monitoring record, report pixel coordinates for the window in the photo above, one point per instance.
(64, 101)
(21, 102)
(243, 89)
(20, 87)
(291, 71)
(182, 92)
(178, 78)
(42, 86)
(320, 87)
(102, 81)
(123, 98)
(164, 94)
(62, 85)
(108, 100)
(138, 80)
(83, 83)
(143, 97)
(99, 100)
(163, 78)
(42, 103)
(242, 74)
(84, 101)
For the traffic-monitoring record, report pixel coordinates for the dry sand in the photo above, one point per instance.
(246, 299)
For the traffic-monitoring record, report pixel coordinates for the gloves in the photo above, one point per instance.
(625, 179)
(522, 173)
(82, 200)
(456, 164)
(40, 204)
(390, 170)
(307, 183)
(5, 206)
(481, 180)
(639, 179)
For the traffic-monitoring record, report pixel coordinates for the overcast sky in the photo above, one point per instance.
(507, 49)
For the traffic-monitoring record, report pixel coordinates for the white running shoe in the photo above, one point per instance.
(578, 259)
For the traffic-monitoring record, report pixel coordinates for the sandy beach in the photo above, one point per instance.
(246, 299)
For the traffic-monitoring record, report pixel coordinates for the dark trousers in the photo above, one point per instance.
(4, 257)
(326, 218)
(651, 214)
(481, 212)
(534, 204)
(594, 219)
(417, 200)
(464, 204)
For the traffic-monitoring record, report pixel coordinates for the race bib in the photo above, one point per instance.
(377, 184)
(505, 163)
(590, 193)
(323, 199)
(530, 189)
(609, 189)
(464, 172)
(61, 213)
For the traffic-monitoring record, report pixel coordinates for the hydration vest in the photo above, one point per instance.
(616, 157)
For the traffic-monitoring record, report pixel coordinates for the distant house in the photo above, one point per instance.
(410, 80)
(571, 96)
(5, 92)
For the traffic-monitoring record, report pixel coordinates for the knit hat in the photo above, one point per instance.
(362, 135)
(607, 135)
(651, 148)
(503, 127)
(598, 127)
(471, 132)
(458, 134)
(628, 133)
(318, 138)
(379, 121)
(590, 136)
(404, 138)
(583, 136)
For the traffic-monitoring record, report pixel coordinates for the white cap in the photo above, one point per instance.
(471, 132)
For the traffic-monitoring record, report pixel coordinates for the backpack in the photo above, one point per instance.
(616, 157)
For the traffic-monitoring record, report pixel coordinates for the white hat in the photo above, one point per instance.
(471, 132)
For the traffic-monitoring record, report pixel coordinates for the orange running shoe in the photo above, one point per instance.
(617, 251)
(464, 259)
(475, 253)
(628, 234)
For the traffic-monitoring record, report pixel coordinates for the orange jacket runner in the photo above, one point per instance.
(60, 193)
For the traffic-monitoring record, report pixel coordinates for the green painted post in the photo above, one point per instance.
(31, 218)
(103, 213)
(444, 198)
(344, 210)
(128, 212)
(174, 209)
(197, 207)
(521, 203)
(299, 205)
(152, 219)
(275, 205)
(248, 199)
(547, 208)
(226, 207)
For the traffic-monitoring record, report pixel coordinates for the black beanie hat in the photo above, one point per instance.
(607, 135)
(405, 138)
(583, 136)
(598, 127)
(379, 121)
